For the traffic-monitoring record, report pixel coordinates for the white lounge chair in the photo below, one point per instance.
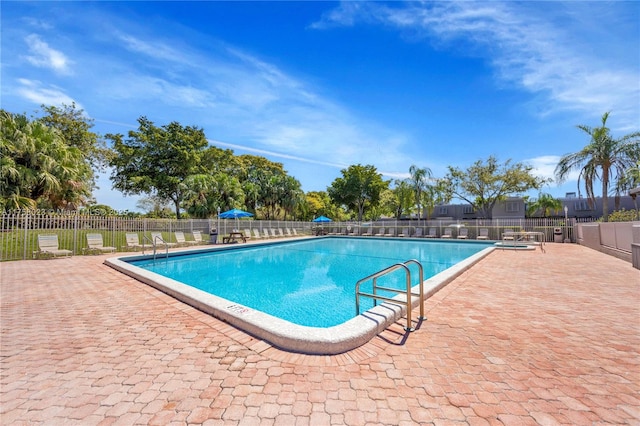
(266, 233)
(508, 235)
(463, 234)
(156, 237)
(418, 233)
(405, 232)
(433, 233)
(133, 241)
(368, 232)
(295, 233)
(247, 234)
(48, 245)
(274, 233)
(197, 237)
(280, 233)
(447, 233)
(380, 233)
(287, 232)
(483, 234)
(390, 233)
(256, 233)
(181, 240)
(96, 244)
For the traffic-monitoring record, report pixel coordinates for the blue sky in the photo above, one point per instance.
(319, 86)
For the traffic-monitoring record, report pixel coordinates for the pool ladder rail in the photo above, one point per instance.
(154, 243)
(409, 295)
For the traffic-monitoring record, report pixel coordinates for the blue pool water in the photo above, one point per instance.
(309, 282)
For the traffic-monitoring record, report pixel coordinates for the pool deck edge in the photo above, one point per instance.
(284, 334)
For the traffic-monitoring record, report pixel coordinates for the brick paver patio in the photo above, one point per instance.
(522, 338)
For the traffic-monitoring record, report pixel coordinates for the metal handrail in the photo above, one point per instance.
(154, 244)
(409, 295)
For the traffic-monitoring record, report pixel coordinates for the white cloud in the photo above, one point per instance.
(44, 56)
(156, 50)
(561, 54)
(40, 94)
(275, 154)
(140, 87)
(545, 166)
(37, 23)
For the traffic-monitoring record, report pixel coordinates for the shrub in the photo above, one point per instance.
(623, 216)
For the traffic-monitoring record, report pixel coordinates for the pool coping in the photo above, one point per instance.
(281, 333)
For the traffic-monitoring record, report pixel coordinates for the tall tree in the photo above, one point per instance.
(359, 187)
(402, 200)
(631, 178)
(420, 183)
(433, 195)
(37, 167)
(318, 204)
(75, 128)
(604, 158)
(255, 175)
(157, 160)
(544, 203)
(205, 193)
(484, 184)
(155, 207)
(292, 196)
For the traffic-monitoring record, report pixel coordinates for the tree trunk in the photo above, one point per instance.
(605, 190)
(605, 201)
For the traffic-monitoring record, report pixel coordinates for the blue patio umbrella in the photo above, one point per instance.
(234, 214)
(322, 219)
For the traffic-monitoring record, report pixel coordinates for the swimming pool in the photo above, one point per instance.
(297, 286)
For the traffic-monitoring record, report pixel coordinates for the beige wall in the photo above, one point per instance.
(614, 238)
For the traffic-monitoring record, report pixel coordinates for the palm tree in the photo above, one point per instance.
(419, 182)
(402, 200)
(38, 168)
(604, 158)
(546, 203)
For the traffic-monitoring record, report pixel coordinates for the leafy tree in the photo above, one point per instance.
(292, 196)
(269, 190)
(206, 193)
(155, 207)
(434, 195)
(484, 184)
(218, 188)
(604, 158)
(75, 128)
(255, 174)
(37, 167)
(420, 183)
(401, 200)
(358, 188)
(630, 180)
(217, 160)
(318, 203)
(157, 160)
(280, 193)
(545, 203)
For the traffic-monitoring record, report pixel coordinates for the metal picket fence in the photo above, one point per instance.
(495, 227)
(19, 231)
